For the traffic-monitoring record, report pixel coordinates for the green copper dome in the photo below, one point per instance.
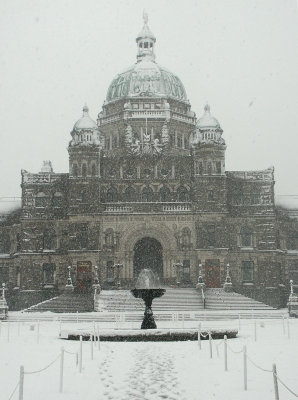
(146, 78)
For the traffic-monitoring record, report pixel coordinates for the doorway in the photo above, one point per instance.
(212, 273)
(84, 276)
(148, 254)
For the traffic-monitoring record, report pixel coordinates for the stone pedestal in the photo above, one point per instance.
(293, 306)
(69, 288)
(200, 285)
(3, 309)
(228, 287)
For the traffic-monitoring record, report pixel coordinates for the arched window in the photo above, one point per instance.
(109, 238)
(40, 200)
(49, 239)
(93, 170)
(112, 195)
(164, 194)
(57, 199)
(147, 194)
(75, 170)
(84, 170)
(84, 196)
(130, 195)
(246, 237)
(182, 194)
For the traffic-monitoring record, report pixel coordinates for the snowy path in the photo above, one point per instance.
(149, 370)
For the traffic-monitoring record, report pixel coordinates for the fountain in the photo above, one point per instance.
(148, 288)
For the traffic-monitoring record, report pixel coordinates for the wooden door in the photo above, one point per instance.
(212, 274)
(84, 276)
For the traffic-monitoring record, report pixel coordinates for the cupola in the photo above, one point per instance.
(85, 130)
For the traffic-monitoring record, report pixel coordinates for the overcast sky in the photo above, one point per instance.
(239, 55)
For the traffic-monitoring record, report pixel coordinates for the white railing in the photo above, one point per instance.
(177, 208)
(118, 209)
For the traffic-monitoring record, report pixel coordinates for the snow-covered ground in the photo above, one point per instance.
(151, 370)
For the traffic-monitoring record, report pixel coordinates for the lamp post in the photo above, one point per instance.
(293, 302)
(118, 267)
(3, 291)
(201, 283)
(69, 285)
(96, 284)
(178, 267)
(3, 304)
(228, 286)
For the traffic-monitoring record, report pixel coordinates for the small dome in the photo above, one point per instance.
(85, 123)
(207, 121)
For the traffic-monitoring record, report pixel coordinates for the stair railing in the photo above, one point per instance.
(203, 298)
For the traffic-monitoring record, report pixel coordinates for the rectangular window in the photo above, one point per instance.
(147, 106)
(110, 271)
(135, 106)
(211, 236)
(186, 271)
(293, 272)
(48, 273)
(210, 195)
(201, 168)
(4, 275)
(255, 198)
(218, 167)
(247, 271)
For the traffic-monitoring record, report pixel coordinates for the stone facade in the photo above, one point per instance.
(147, 186)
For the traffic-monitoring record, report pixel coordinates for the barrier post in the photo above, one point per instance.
(210, 344)
(275, 382)
(91, 344)
(245, 367)
(255, 324)
(80, 354)
(21, 384)
(199, 337)
(98, 337)
(37, 332)
(226, 352)
(239, 323)
(61, 370)
(283, 325)
(288, 325)
(77, 317)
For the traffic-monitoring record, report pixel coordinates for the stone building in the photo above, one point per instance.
(147, 186)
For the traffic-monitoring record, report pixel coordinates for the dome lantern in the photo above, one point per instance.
(145, 41)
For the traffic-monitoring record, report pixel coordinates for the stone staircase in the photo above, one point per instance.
(181, 299)
(173, 300)
(218, 299)
(65, 303)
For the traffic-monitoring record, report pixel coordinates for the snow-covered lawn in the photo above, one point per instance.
(151, 370)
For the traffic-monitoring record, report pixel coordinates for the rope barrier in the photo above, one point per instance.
(43, 369)
(235, 352)
(10, 397)
(70, 352)
(256, 365)
(291, 391)
(204, 336)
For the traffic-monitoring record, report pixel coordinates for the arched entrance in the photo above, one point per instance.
(148, 254)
